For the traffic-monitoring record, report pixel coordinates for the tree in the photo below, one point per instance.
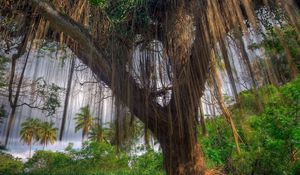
(202, 120)
(29, 132)
(96, 133)
(47, 133)
(106, 36)
(3, 114)
(84, 121)
(220, 99)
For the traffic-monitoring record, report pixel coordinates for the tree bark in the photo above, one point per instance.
(66, 104)
(176, 131)
(14, 103)
(202, 120)
(240, 44)
(30, 146)
(179, 158)
(229, 70)
(220, 99)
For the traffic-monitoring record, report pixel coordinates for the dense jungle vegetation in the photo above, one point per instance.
(193, 87)
(271, 144)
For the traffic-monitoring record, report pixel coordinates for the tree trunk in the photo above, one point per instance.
(11, 121)
(244, 55)
(220, 99)
(289, 58)
(176, 131)
(182, 155)
(202, 120)
(66, 104)
(14, 103)
(30, 145)
(229, 70)
(179, 165)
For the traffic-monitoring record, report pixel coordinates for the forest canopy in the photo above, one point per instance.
(213, 83)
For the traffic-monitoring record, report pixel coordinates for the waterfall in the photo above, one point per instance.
(54, 68)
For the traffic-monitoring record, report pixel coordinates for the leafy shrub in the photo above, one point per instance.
(10, 165)
(92, 158)
(150, 163)
(271, 138)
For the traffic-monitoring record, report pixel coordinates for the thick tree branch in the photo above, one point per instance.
(91, 55)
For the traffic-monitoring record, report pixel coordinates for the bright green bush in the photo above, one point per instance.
(10, 165)
(271, 138)
(92, 158)
(219, 145)
(150, 163)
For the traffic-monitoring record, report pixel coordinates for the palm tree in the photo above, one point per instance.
(96, 133)
(47, 133)
(84, 121)
(29, 131)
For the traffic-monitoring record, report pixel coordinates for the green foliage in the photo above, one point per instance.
(99, 3)
(49, 94)
(29, 130)
(96, 133)
(3, 113)
(271, 139)
(275, 48)
(265, 95)
(130, 134)
(102, 156)
(48, 162)
(35, 129)
(10, 165)
(93, 159)
(123, 12)
(150, 163)
(3, 70)
(275, 40)
(219, 146)
(84, 121)
(47, 133)
(117, 11)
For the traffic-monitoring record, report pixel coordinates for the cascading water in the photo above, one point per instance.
(84, 91)
(54, 67)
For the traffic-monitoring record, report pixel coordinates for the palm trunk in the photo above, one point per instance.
(82, 137)
(30, 145)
